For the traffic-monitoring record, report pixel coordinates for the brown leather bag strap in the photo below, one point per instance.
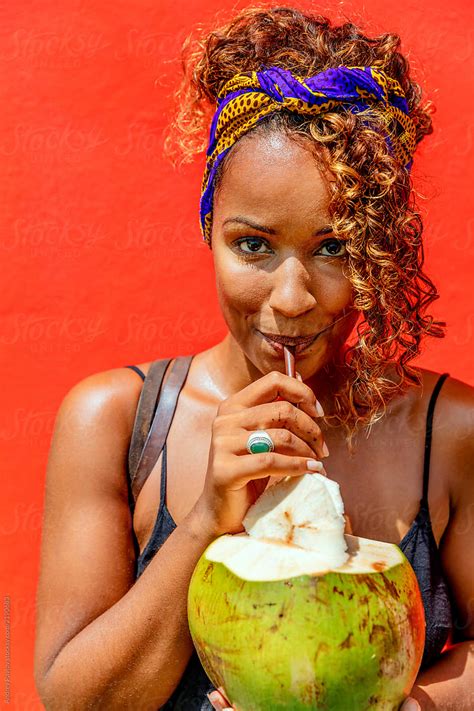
(156, 437)
(145, 410)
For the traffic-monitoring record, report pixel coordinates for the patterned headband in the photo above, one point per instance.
(246, 98)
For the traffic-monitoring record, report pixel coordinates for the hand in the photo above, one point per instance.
(410, 704)
(235, 478)
(219, 701)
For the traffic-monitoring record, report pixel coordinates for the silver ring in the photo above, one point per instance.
(259, 441)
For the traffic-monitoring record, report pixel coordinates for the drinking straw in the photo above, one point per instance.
(289, 361)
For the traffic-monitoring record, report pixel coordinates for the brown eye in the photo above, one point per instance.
(254, 245)
(335, 248)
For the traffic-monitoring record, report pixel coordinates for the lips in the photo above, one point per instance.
(278, 347)
(300, 343)
(288, 341)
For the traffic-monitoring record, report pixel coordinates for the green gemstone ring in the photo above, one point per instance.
(259, 441)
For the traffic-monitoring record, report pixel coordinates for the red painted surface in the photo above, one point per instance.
(100, 241)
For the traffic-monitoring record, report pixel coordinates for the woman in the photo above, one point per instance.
(307, 208)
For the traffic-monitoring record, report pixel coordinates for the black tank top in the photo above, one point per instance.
(418, 545)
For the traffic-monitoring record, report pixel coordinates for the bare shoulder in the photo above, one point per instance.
(103, 399)
(454, 404)
(453, 425)
(95, 419)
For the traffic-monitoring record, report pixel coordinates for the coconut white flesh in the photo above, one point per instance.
(306, 511)
(263, 560)
(334, 491)
(329, 545)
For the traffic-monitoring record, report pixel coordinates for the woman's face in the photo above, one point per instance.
(278, 268)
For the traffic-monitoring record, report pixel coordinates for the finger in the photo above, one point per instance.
(241, 470)
(218, 701)
(281, 415)
(319, 407)
(267, 389)
(410, 704)
(285, 441)
(229, 706)
(214, 703)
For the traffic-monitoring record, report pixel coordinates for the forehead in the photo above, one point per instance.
(275, 175)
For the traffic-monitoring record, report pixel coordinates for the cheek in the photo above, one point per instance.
(333, 291)
(239, 288)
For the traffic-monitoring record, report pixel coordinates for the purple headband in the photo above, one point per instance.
(248, 97)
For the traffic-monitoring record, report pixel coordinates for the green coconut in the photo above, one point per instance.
(334, 622)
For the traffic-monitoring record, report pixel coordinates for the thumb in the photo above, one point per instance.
(215, 701)
(218, 701)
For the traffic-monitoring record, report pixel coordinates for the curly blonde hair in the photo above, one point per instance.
(372, 198)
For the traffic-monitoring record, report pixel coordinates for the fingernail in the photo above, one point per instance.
(314, 465)
(319, 409)
(325, 450)
(214, 703)
(411, 705)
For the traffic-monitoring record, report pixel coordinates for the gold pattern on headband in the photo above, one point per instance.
(247, 98)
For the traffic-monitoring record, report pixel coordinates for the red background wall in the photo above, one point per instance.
(100, 241)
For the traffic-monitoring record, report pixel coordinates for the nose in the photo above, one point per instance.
(291, 293)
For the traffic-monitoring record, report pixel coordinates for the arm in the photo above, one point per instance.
(448, 684)
(104, 641)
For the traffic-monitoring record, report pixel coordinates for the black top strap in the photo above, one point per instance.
(137, 370)
(429, 431)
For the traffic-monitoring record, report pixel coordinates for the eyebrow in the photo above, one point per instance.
(268, 230)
